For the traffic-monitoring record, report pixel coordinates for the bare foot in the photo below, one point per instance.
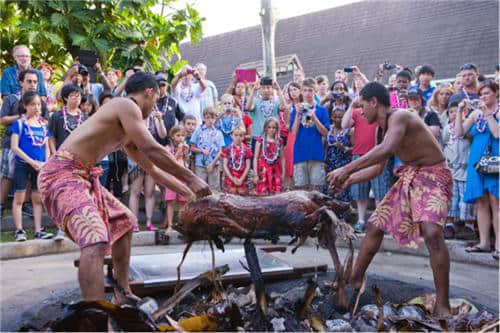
(120, 299)
(168, 231)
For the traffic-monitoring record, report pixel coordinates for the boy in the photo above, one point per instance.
(456, 150)
(264, 107)
(310, 123)
(189, 125)
(207, 142)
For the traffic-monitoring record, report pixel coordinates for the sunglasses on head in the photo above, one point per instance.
(468, 66)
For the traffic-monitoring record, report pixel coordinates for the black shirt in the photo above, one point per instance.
(431, 119)
(171, 110)
(56, 126)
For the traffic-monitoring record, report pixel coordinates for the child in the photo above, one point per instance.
(30, 144)
(236, 163)
(456, 151)
(338, 149)
(229, 118)
(180, 150)
(189, 125)
(207, 142)
(269, 160)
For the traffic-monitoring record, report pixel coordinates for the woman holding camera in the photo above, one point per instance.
(482, 188)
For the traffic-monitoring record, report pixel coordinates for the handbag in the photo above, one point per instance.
(488, 165)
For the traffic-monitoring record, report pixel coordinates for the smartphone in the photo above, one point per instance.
(348, 69)
(248, 75)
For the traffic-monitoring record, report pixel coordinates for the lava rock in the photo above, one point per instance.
(338, 325)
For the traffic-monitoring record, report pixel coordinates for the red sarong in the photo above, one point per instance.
(79, 205)
(421, 194)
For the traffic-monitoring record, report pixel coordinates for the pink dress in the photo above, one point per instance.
(269, 168)
(169, 194)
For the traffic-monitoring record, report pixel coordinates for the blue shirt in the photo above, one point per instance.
(263, 109)
(207, 138)
(427, 94)
(10, 82)
(308, 143)
(26, 145)
(226, 124)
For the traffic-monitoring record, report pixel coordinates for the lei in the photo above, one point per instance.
(331, 138)
(236, 165)
(207, 141)
(270, 160)
(305, 120)
(233, 123)
(482, 123)
(32, 136)
(186, 95)
(267, 107)
(65, 119)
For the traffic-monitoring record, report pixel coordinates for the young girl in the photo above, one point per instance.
(180, 150)
(237, 157)
(30, 136)
(338, 149)
(295, 97)
(269, 161)
(229, 119)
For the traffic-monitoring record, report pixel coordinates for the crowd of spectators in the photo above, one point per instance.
(256, 139)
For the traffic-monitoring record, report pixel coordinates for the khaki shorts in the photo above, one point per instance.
(212, 179)
(309, 173)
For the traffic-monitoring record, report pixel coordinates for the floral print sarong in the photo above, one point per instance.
(421, 194)
(79, 205)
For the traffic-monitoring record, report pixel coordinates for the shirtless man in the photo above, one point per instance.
(417, 203)
(89, 214)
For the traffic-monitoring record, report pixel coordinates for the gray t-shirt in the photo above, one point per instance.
(456, 150)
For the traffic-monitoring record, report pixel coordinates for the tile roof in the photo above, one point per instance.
(444, 34)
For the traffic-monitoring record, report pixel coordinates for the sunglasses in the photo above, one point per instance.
(468, 66)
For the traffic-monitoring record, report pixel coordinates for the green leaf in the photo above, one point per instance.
(77, 39)
(54, 38)
(101, 44)
(59, 20)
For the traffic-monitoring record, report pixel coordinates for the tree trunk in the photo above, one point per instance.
(268, 22)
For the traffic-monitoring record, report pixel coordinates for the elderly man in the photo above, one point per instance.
(210, 95)
(189, 93)
(10, 77)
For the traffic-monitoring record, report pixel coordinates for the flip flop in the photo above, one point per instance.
(476, 249)
(495, 254)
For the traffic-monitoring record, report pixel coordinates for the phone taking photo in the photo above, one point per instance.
(348, 69)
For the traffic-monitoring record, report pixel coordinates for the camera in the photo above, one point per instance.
(348, 69)
(336, 95)
(388, 66)
(190, 71)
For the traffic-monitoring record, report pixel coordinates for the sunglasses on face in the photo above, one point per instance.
(468, 66)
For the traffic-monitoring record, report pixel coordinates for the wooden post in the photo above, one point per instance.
(268, 23)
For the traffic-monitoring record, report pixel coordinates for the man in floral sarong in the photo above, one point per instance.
(417, 204)
(85, 210)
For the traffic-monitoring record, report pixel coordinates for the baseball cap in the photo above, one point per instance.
(414, 93)
(82, 69)
(160, 78)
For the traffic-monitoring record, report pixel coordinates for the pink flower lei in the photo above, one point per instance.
(65, 118)
(236, 165)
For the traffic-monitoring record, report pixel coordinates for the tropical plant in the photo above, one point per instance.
(124, 32)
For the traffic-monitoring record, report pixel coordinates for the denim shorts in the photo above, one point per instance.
(7, 164)
(24, 173)
(309, 173)
(380, 185)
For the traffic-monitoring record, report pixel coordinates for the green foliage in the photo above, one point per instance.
(124, 32)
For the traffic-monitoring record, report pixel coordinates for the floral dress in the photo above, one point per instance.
(237, 157)
(337, 158)
(269, 167)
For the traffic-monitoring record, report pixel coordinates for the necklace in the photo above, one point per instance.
(266, 107)
(270, 160)
(207, 141)
(186, 93)
(331, 137)
(67, 127)
(305, 119)
(236, 165)
(233, 123)
(34, 141)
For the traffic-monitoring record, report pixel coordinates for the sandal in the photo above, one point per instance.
(475, 249)
(495, 254)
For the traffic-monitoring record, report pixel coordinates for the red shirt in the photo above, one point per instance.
(364, 133)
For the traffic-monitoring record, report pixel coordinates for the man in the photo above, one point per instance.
(469, 74)
(425, 75)
(189, 93)
(210, 95)
(417, 203)
(88, 213)
(9, 114)
(416, 103)
(92, 88)
(168, 106)
(310, 124)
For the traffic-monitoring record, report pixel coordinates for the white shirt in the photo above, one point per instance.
(189, 98)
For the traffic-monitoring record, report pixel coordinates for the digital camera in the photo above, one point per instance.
(336, 95)
(388, 66)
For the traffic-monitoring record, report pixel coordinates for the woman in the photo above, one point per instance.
(238, 90)
(323, 89)
(88, 105)
(46, 70)
(482, 125)
(339, 98)
(439, 103)
(295, 98)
